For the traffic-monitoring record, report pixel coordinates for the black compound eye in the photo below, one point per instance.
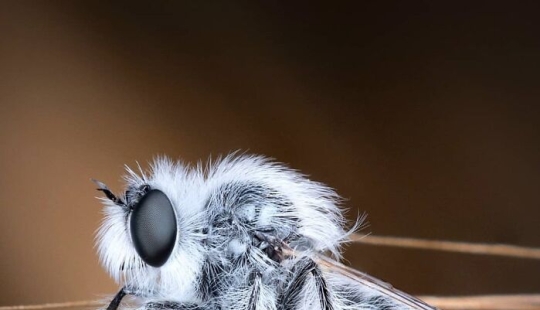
(153, 228)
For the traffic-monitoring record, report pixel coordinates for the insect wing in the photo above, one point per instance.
(373, 283)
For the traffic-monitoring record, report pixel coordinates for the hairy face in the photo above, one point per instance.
(151, 239)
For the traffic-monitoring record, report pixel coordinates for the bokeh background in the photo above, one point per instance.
(423, 115)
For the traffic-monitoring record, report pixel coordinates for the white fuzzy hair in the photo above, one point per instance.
(199, 194)
(313, 203)
(175, 279)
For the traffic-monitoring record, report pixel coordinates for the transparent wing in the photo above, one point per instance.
(375, 284)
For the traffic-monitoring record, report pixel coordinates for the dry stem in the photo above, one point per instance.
(450, 246)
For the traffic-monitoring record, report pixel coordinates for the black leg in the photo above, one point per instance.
(165, 305)
(322, 287)
(117, 299)
(209, 281)
(255, 292)
(171, 305)
(289, 299)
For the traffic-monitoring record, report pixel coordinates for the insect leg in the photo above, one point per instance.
(171, 305)
(255, 292)
(322, 287)
(209, 280)
(290, 298)
(117, 299)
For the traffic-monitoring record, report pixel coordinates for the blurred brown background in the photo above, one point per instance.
(423, 115)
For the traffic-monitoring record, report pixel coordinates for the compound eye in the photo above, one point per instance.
(153, 228)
